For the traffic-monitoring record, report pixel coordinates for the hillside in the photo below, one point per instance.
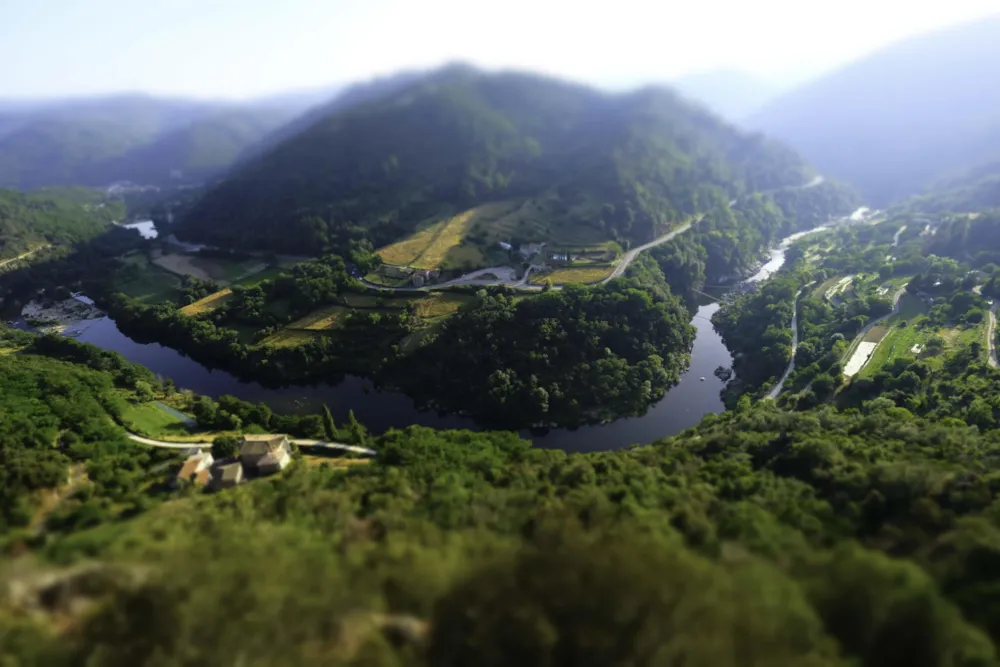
(897, 121)
(94, 142)
(29, 221)
(573, 162)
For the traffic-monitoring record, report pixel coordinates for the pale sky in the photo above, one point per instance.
(241, 48)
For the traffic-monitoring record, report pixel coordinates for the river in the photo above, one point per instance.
(682, 407)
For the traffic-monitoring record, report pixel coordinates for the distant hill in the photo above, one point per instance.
(622, 166)
(897, 121)
(93, 142)
(730, 93)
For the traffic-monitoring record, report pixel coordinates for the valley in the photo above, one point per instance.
(475, 367)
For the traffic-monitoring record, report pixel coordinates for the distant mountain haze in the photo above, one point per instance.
(730, 93)
(623, 166)
(95, 141)
(896, 122)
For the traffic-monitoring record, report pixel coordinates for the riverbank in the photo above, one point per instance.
(71, 317)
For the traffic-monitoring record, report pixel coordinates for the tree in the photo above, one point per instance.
(329, 428)
(359, 434)
(225, 446)
(144, 391)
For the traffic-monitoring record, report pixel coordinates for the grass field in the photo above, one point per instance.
(372, 300)
(287, 338)
(155, 420)
(584, 275)
(438, 304)
(319, 320)
(150, 284)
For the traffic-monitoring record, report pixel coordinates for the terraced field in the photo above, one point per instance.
(439, 304)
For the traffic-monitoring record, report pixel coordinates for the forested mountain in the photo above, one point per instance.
(730, 93)
(897, 121)
(455, 138)
(94, 142)
(29, 221)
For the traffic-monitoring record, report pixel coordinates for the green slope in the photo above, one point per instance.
(52, 217)
(631, 165)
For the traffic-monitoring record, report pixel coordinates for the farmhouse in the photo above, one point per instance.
(195, 469)
(226, 474)
(265, 454)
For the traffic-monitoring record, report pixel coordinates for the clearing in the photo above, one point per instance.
(156, 420)
(213, 269)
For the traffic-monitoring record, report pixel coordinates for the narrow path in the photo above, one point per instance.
(338, 446)
(991, 333)
(23, 255)
(795, 347)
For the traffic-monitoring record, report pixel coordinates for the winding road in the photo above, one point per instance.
(795, 348)
(991, 334)
(338, 446)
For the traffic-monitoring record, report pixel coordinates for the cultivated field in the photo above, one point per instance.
(428, 247)
(319, 320)
(438, 304)
(208, 304)
(572, 274)
(289, 338)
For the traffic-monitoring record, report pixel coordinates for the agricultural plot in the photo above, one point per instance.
(215, 269)
(208, 304)
(320, 320)
(428, 247)
(439, 304)
(574, 274)
(290, 338)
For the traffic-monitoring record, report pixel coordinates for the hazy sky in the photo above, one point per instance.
(239, 48)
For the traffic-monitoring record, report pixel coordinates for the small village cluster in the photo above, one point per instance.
(259, 456)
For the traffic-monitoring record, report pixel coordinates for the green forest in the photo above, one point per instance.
(632, 165)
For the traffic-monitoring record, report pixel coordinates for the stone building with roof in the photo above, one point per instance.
(196, 469)
(265, 454)
(227, 474)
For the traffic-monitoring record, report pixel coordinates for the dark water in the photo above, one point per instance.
(681, 408)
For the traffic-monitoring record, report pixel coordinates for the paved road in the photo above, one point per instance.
(630, 256)
(991, 333)
(338, 446)
(795, 347)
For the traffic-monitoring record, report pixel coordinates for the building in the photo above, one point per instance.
(195, 469)
(265, 454)
(227, 474)
(506, 246)
(529, 250)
